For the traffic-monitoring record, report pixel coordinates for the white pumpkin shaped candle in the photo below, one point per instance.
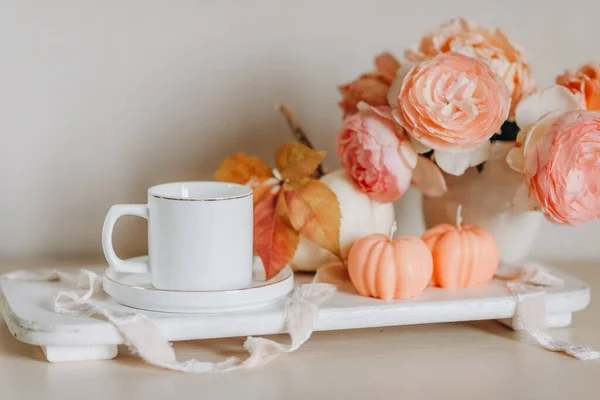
(387, 268)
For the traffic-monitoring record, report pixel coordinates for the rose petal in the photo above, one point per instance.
(418, 146)
(456, 163)
(387, 65)
(382, 111)
(408, 152)
(515, 159)
(553, 98)
(428, 178)
(361, 106)
(536, 130)
(480, 154)
(452, 163)
(394, 90)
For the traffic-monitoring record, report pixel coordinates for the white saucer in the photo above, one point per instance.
(135, 290)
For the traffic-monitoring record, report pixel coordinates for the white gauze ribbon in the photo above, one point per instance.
(526, 283)
(141, 334)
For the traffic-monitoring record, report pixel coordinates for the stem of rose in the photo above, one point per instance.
(459, 218)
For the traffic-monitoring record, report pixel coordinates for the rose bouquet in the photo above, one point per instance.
(460, 89)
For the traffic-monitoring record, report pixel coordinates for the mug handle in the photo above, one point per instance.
(120, 265)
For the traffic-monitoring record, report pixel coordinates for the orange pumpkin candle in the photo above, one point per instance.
(463, 255)
(390, 269)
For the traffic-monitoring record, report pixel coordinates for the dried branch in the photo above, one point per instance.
(298, 133)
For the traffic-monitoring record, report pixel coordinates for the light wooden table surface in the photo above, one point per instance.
(475, 360)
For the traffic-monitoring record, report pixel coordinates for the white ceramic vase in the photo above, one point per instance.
(487, 200)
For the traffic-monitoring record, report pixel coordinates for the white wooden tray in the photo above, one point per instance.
(26, 307)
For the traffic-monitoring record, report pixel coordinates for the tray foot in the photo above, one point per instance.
(552, 321)
(79, 353)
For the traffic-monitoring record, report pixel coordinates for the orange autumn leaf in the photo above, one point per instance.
(240, 168)
(314, 211)
(245, 170)
(275, 240)
(295, 160)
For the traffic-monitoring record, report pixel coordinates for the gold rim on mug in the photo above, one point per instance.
(267, 283)
(211, 199)
(177, 198)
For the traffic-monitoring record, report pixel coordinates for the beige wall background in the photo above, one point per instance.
(101, 99)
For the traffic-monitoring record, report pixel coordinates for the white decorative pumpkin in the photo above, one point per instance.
(361, 216)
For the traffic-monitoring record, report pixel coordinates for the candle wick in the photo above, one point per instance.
(459, 218)
(393, 230)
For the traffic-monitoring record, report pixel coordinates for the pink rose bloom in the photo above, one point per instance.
(561, 165)
(451, 103)
(488, 45)
(376, 154)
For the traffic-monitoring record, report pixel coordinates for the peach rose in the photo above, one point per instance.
(370, 88)
(585, 84)
(452, 103)
(491, 46)
(560, 156)
(376, 154)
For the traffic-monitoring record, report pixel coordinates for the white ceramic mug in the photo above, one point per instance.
(199, 236)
